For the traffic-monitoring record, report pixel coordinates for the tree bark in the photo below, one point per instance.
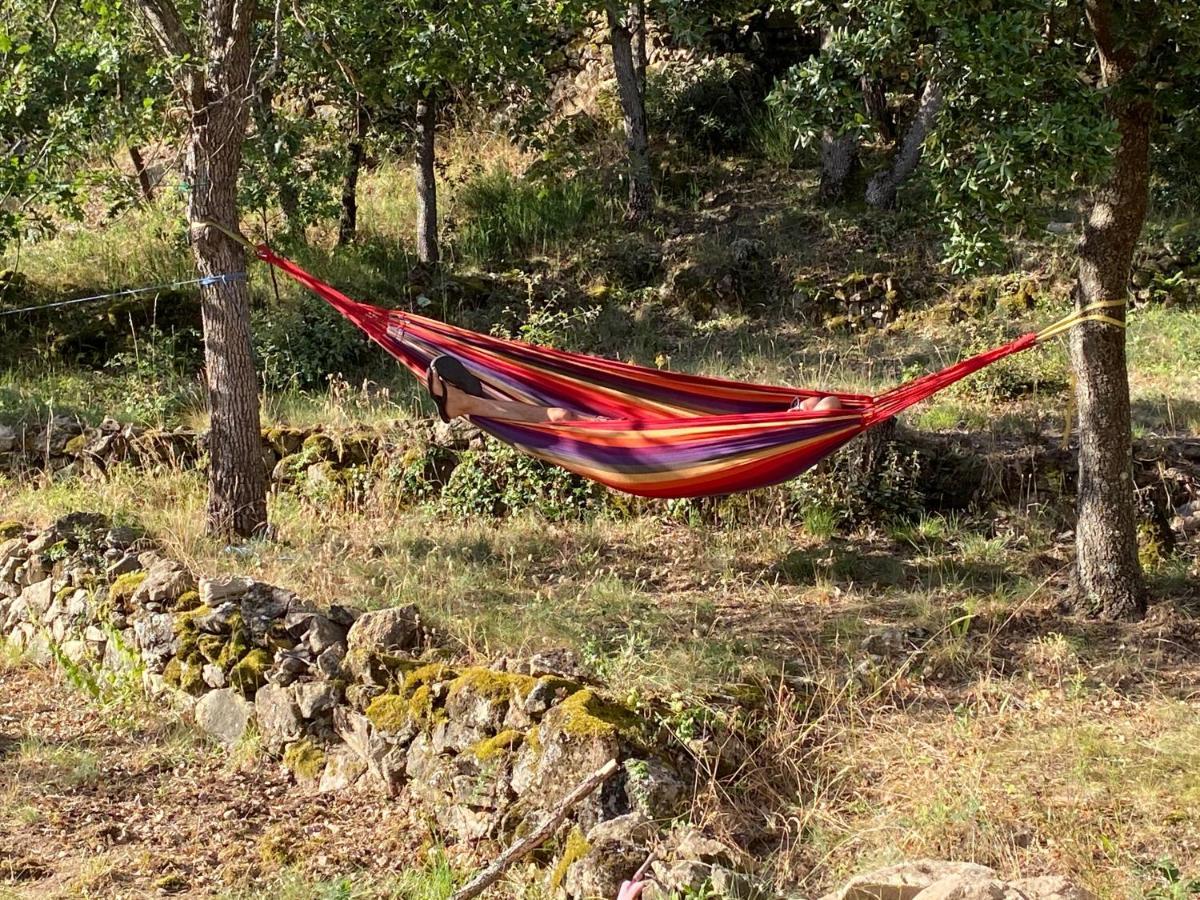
(875, 99)
(637, 16)
(1108, 572)
(355, 153)
(882, 188)
(427, 234)
(633, 110)
(217, 92)
(139, 169)
(839, 159)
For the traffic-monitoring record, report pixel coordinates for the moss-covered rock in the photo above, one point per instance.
(121, 590)
(504, 742)
(585, 714)
(249, 673)
(575, 848)
(305, 760)
(10, 530)
(489, 684)
(184, 675)
(390, 713)
(76, 445)
(319, 447)
(188, 601)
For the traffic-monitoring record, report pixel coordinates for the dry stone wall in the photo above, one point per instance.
(349, 699)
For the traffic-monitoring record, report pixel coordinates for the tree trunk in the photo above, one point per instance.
(875, 99)
(1108, 572)
(427, 235)
(637, 15)
(355, 152)
(218, 95)
(143, 177)
(633, 109)
(882, 188)
(839, 159)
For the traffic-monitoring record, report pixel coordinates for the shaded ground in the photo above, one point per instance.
(106, 804)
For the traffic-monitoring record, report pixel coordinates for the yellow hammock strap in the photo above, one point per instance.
(1089, 313)
(232, 235)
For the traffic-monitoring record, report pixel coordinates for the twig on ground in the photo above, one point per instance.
(492, 872)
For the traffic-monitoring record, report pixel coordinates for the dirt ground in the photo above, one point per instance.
(98, 802)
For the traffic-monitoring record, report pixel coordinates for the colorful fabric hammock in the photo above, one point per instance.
(664, 434)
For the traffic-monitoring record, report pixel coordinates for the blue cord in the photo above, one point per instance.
(206, 281)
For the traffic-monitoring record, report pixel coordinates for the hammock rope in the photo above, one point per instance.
(658, 433)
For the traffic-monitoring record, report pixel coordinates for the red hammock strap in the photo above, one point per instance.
(901, 398)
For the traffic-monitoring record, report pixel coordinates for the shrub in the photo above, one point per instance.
(502, 480)
(298, 344)
(709, 104)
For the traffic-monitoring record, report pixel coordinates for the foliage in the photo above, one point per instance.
(300, 343)
(502, 480)
(710, 104)
(508, 217)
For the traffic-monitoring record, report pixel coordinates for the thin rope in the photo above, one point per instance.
(206, 281)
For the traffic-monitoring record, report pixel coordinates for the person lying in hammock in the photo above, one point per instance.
(456, 392)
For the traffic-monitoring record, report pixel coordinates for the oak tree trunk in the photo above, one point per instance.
(355, 153)
(875, 99)
(215, 82)
(882, 188)
(427, 236)
(637, 14)
(143, 177)
(839, 159)
(1108, 572)
(633, 110)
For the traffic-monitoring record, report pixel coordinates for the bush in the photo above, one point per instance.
(711, 105)
(509, 217)
(501, 480)
(300, 343)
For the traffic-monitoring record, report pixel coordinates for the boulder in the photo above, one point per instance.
(278, 715)
(614, 849)
(315, 697)
(224, 714)
(907, 880)
(343, 768)
(391, 630)
(166, 581)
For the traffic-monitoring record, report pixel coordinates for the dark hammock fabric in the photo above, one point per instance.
(664, 434)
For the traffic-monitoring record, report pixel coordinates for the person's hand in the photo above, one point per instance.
(631, 890)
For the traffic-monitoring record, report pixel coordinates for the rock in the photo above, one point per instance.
(224, 714)
(614, 849)
(8, 439)
(213, 675)
(386, 630)
(315, 697)
(155, 637)
(122, 537)
(343, 768)
(956, 887)
(329, 663)
(906, 880)
(215, 591)
(323, 634)
(38, 598)
(165, 582)
(560, 663)
(218, 621)
(655, 790)
(76, 651)
(278, 715)
(123, 566)
(1050, 887)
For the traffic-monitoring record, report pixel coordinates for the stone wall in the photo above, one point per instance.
(365, 700)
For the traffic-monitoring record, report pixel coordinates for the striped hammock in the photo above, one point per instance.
(663, 434)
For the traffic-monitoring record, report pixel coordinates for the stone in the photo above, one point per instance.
(8, 439)
(76, 651)
(224, 714)
(38, 598)
(615, 848)
(905, 881)
(122, 537)
(322, 634)
(278, 715)
(560, 663)
(213, 675)
(386, 630)
(215, 591)
(955, 888)
(218, 621)
(123, 566)
(1050, 887)
(166, 580)
(329, 663)
(656, 790)
(343, 768)
(154, 634)
(315, 697)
